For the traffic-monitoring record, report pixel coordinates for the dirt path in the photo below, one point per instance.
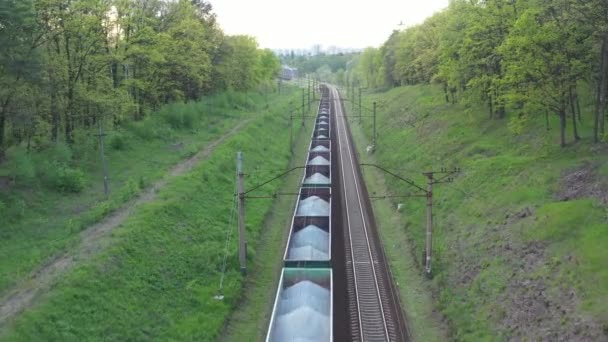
(92, 239)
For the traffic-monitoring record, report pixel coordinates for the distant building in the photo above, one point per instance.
(288, 73)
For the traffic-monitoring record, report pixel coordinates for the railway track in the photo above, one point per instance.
(373, 304)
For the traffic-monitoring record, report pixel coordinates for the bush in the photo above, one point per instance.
(118, 142)
(21, 166)
(142, 129)
(178, 116)
(60, 153)
(173, 119)
(85, 145)
(64, 178)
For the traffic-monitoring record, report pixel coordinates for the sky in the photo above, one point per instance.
(282, 24)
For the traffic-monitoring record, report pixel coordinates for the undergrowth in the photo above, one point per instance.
(158, 278)
(52, 193)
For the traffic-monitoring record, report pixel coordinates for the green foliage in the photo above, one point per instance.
(60, 153)
(158, 279)
(310, 64)
(118, 141)
(64, 178)
(508, 55)
(21, 166)
(121, 67)
(517, 124)
(179, 116)
(486, 208)
(41, 222)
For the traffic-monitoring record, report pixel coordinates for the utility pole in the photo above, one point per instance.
(291, 126)
(429, 211)
(352, 102)
(308, 105)
(241, 213)
(360, 105)
(303, 105)
(348, 90)
(374, 136)
(429, 224)
(428, 193)
(101, 135)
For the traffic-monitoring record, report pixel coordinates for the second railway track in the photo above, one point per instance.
(373, 305)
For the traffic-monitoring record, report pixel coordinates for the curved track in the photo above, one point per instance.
(374, 309)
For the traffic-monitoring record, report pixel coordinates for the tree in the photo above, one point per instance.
(19, 61)
(541, 60)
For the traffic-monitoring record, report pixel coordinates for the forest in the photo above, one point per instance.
(67, 65)
(521, 58)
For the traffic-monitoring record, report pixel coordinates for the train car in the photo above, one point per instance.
(309, 242)
(318, 165)
(303, 307)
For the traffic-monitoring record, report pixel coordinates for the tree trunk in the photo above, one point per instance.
(603, 84)
(2, 128)
(573, 110)
(577, 100)
(54, 113)
(600, 108)
(491, 103)
(562, 125)
(547, 119)
(445, 92)
(500, 108)
(69, 122)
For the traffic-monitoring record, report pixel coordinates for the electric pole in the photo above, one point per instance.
(101, 135)
(428, 193)
(429, 224)
(291, 126)
(360, 105)
(308, 105)
(352, 102)
(241, 213)
(303, 105)
(374, 134)
(431, 180)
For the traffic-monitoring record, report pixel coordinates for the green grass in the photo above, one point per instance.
(502, 174)
(159, 275)
(37, 221)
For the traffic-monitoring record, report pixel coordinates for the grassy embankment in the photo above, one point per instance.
(520, 235)
(159, 275)
(59, 191)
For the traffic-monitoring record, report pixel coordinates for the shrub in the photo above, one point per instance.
(118, 142)
(21, 166)
(130, 189)
(85, 145)
(60, 153)
(142, 130)
(188, 118)
(64, 178)
(178, 116)
(173, 119)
